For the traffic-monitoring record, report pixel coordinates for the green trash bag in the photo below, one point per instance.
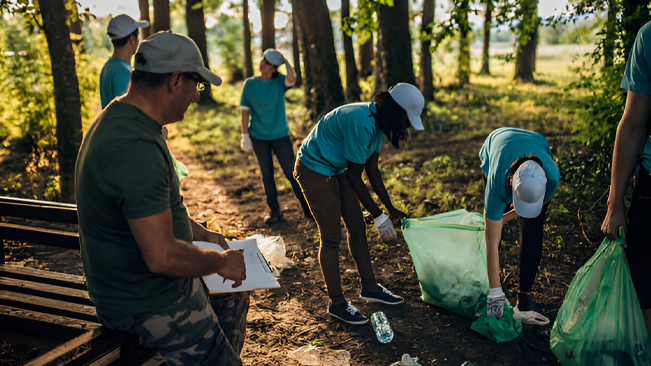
(182, 171)
(600, 321)
(449, 255)
(504, 329)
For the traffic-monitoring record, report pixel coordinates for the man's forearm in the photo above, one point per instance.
(182, 259)
(246, 114)
(628, 143)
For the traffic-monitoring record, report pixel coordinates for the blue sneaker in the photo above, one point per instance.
(384, 296)
(350, 314)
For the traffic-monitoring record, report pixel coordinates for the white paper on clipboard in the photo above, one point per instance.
(258, 273)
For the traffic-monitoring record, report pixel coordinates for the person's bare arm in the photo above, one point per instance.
(245, 112)
(375, 178)
(354, 175)
(493, 233)
(200, 233)
(509, 216)
(166, 255)
(628, 144)
(290, 79)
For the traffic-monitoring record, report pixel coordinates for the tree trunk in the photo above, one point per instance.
(463, 67)
(527, 30)
(366, 55)
(379, 83)
(327, 91)
(631, 24)
(197, 32)
(302, 42)
(267, 10)
(426, 78)
(67, 100)
(248, 60)
(296, 50)
(485, 55)
(76, 34)
(144, 15)
(161, 15)
(394, 36)
(352, 83)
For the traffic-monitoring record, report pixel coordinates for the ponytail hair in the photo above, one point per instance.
(389, 117)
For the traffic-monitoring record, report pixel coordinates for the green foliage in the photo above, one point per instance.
(364, 21)
(228, 36)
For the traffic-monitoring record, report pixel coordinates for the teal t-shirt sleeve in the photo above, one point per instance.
(142, 173)
(357, 140)
(494, 205)
(637, 77)
(244, 100)
(121, 82)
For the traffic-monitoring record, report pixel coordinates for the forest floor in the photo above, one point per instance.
(438, 171)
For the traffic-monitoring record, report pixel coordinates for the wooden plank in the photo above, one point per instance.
(66, 215)
(4, 199)
(37, 235)
(45, 290)
(42, 325)
(41, 276)
(43, 305)
(67, 351)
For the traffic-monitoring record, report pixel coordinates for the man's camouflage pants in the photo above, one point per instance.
(193, 330)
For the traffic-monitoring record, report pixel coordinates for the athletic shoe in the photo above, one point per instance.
(349, 314)
(384, 296)
(273, 216)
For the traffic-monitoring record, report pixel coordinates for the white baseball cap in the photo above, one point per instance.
(167, 52)
(274, 57)
(529, 184)
(411, 100)
(123, 25)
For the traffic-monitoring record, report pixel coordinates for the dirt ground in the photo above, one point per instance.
(294, 315)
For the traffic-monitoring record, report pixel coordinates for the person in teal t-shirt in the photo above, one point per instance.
(519, 170)
(115, 75)
(329, 166)
(633, 145)
(265, 129)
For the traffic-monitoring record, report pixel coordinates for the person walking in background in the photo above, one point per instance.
(116, 73)
(142, 271)
(329, 166)
(518, 169)
(265, 129)
(632, 143)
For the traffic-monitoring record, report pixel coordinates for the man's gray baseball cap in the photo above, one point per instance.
(166, 52)
(123, 25)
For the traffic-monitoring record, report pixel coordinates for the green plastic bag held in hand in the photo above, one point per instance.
(449, 255)
(182, 171)
(600, 321)
(504, 329)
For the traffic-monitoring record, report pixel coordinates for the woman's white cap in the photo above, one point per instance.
(529, 185)
(411, 100)
(274, 57)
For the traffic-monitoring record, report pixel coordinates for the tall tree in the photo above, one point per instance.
(267, 12)
(463, 66)
(296, 50)
(67, 100)
(527, 30)
(366, 55)
(248, 59)
(634, 15)
(426, 77)
(197, 32)
(161, 15)
(303, 44)
(485, 54)
(319, 51)
(144, 15)
(394, 45)
(352, 83)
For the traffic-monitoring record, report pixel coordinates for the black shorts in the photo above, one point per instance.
(638, 238)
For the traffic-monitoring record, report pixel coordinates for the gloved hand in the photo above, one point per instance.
(496, 300)
(384, 226)
(245, 143)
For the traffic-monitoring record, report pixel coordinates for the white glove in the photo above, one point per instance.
(245, 143)
(384, 226)
(496, 300)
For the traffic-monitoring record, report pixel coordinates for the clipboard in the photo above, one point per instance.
(258, 273)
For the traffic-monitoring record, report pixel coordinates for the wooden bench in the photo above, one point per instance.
(53, 309)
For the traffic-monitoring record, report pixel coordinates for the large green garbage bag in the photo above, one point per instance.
(449, 255)
(600, 322)
(182, 171)
(504, 329)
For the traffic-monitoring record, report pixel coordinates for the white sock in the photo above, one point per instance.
(495, 292)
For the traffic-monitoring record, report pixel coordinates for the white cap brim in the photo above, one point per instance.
(142, 24)
(528, 210)
(210, 76)
(415, 120)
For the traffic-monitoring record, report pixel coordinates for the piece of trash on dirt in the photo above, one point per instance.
(320, 356)
(467, 363)
(216, 192)
(406, 360)
(309, 259)
(273, 250)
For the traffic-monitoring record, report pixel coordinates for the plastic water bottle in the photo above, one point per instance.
(382, 327)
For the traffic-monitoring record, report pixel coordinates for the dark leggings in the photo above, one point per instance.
(638, 236)
(331, 199)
